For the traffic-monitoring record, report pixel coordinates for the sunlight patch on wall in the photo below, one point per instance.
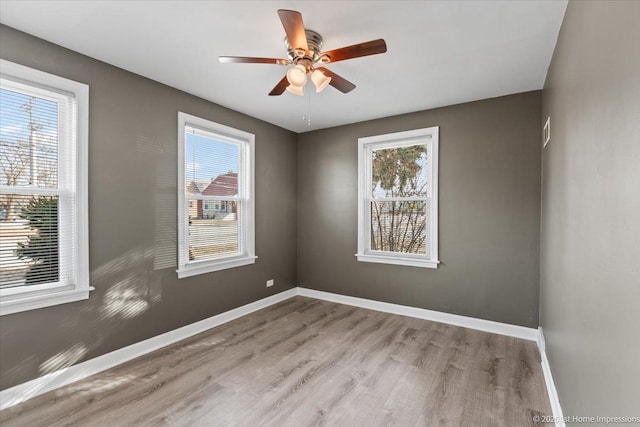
(165, 198)
(131, 284)
(63, 359)
(126, 299)
(146, 144)
(165, 247)
(131, 259)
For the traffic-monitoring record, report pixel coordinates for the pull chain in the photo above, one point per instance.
(307, 116)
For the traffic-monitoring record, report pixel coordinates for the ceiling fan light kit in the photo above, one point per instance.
(296, 90)
(320, 80)
(297, 75)
(304, 50)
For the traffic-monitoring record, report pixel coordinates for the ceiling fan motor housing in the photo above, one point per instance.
(296, 55)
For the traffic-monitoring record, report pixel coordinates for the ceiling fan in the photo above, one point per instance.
(304, 52)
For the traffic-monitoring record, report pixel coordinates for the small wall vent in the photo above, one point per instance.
(546, 132)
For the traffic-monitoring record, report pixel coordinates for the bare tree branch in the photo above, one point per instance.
(399, 172)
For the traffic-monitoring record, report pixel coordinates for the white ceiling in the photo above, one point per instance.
(439, 52)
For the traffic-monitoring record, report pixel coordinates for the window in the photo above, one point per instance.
(398, 198)
(43, 189)
(215, 170)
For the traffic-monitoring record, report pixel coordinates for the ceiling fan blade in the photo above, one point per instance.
(294, 27)
(340, 83)
(372, 47)
(280, 87)
(249, 60)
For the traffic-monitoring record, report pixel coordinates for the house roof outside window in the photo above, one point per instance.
(196, 187)
(223, 185)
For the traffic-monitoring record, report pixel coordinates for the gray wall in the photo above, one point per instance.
(590, 276)
(489, 193)
(132, 220)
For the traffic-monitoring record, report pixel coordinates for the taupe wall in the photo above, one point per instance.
(132, 220)
(590, 276)
(489, 212)
(489, 217)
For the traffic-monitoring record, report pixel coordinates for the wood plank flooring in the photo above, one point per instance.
(305, 362)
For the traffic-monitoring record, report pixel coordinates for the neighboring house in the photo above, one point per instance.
(196, 187)
(225, 185)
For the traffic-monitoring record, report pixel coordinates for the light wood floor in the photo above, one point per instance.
(307, 362)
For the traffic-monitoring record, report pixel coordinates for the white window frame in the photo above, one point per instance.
(246, 169)
(73, 172)
(366, 145)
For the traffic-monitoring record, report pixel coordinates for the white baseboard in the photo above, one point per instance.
(548, 379)
(422, 313)
(18, 394)
(54, 380)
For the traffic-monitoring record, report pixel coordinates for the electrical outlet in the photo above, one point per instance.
(269, 283)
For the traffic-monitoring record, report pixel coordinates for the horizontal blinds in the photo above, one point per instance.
(399, 202)
(214, 201)
(29, 244)
(211, 238)
(37, 185)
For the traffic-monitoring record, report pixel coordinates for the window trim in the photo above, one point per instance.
(396, 139)
(15, 300)
(188, 268)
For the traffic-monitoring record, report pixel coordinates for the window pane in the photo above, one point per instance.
(28, 240)
(211, 166)
(215, 233)
(28, 140)
(399, 172)
(399, 227)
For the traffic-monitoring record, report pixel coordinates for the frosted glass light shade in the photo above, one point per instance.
(297, 75)
(319, 80)
(297, 90)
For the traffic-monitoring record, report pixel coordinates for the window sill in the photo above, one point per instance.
(411, 262)
(32, 302)
(209, 267)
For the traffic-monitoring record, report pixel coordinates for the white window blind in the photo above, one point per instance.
(398, 198)
(216, 186)
(40, 248)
